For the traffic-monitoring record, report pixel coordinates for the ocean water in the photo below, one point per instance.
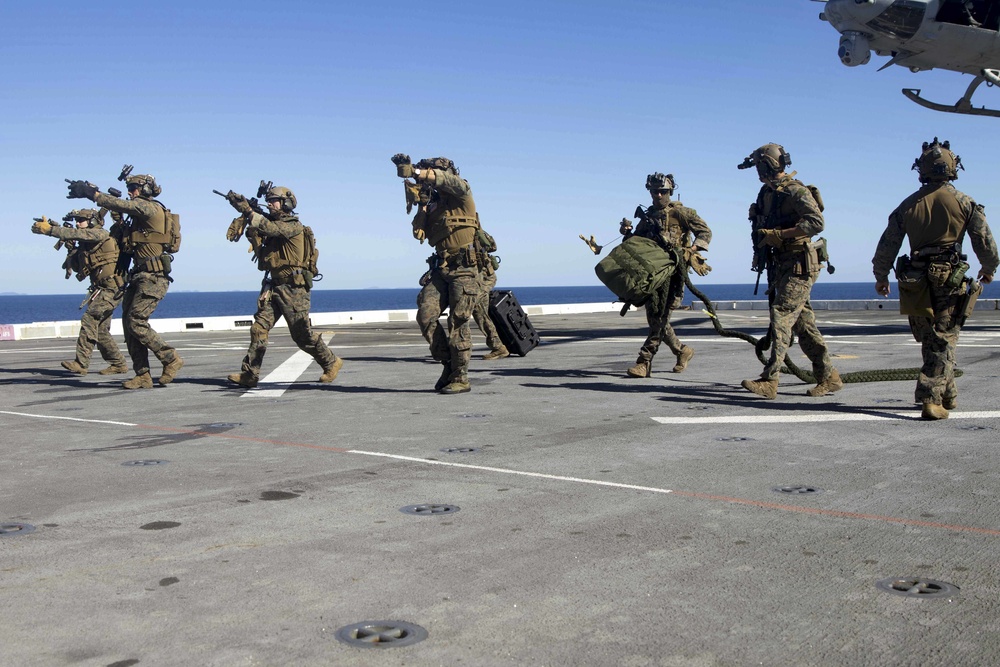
(23, 309)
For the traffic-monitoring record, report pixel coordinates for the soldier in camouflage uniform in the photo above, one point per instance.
(145, 237)
(286, 252)
(481, 311)
(96, 255)
(447, 219)
(936, 219)
(785, 217)
(671, 225)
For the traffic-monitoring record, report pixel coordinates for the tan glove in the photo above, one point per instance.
(771, 237)
(697, 263)
(592, 244)
(625, 227)
(236, 228)
(419, 234)
(412, 191)
(41, 226)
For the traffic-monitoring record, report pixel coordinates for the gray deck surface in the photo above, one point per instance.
(589, 533)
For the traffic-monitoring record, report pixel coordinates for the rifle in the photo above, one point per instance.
(253, 201)
(763, 257)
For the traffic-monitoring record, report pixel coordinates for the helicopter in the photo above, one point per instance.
(956, 35)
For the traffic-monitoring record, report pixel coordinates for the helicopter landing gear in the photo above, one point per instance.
(964, 106)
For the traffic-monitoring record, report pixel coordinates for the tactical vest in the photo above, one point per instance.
(934, 218)
(100, 258)
(671, 232)
(146, 235)
(286, 258)
(777, 206)
(453, 222)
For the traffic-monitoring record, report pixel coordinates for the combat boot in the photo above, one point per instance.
(933, 411)
(827, 385)
(144, 381)
(640, 370)
(170, 370)
(683, 358)
(330, 374)
(949, 402)
(115, 369)
(243, 380)
(762, 387)
(458, 385)
(445, 377)
(73, 367)
(498, 353)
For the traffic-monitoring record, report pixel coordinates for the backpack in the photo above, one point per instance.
(311, 253)
(635, 269)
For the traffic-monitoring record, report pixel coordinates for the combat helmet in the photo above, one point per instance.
(91, 215)
(440, 163)
(770, 160)
(146, 183)
(937, 162)
(286, 196)
(660, 181)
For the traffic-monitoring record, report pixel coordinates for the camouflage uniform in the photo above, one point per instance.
(671, 225)
(96, 257)
(795, 268)
(449, 223)
(148, 281)
(935, 216)
(481, 314)
(281, 247)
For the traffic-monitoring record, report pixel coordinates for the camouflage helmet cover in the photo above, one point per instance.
(937, 162)
(441, 163)
(286, 196)
(660, 181)
(92, 215)
(769, 159)
(146, 184)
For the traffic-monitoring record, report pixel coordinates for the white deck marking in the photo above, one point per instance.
(282, 377)
(508, 471)
(71, 419)
(822, 417)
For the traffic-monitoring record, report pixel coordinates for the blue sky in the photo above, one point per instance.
(554, 112)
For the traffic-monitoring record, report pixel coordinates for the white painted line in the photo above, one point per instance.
(71, 419)
(507, 471)
(282, 377)
(817, 418)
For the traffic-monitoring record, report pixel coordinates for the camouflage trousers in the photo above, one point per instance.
(658, 320)
(455, 289)
(481, 311)
(792, 312)
(293, 304)
(144, 293)
(95, 329)
(938, 337)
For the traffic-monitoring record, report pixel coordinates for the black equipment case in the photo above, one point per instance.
(512, 324)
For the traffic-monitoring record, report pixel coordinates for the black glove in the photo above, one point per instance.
(81, 190)
(404, 169)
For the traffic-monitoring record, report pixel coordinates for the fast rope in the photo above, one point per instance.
(762, 344)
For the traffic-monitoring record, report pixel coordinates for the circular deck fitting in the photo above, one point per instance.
(916, 587)
(144, 462)
(735, 438)
(799, 490)
(976, 427)
(429, 509)
(15, 529)
(459, 450)
(698, 407)
(222, 425)
(888, 400)
(475, 416)
(381, 634)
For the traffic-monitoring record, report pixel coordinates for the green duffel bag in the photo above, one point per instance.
(635, 269)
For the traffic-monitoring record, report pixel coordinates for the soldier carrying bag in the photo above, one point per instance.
(636, 269)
